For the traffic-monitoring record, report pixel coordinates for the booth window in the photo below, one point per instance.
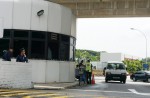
(21, 33)
(38, 49)
(64, 47)
(6, 33)
(18, 44)
(38, 44)
(53, 46)
(38, 35)
(53, 51)
(20, 40)
(64, 52)
(72, 49)
(65, 38)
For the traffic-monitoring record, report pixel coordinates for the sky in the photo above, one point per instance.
(114, 35)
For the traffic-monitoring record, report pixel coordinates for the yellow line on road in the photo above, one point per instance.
(63, 97)
(9, 95)
(40, 95)
(9, 92)
(19, 94)
(3, 90)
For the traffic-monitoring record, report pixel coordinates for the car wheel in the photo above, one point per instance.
(145, 80)
(148, 80)
(134, 79)
(124, 81)
(106, 80)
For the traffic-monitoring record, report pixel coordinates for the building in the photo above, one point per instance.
(105, 57)
(48, 33)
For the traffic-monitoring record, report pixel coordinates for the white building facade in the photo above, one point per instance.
(47, 31)
(105, 57)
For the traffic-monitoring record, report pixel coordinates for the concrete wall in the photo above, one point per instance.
(22, 14)
(21, 75)
(39, 23)
(1, 27)
(6, 10)
(54, 18)
(73, 26)
(15, 75)
(52, 71)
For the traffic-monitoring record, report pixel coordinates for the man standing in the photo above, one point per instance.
(7, 54)
(82, 71)
(22, 56)
(88, 72)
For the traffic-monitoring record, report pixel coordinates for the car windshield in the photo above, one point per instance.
(115, 66)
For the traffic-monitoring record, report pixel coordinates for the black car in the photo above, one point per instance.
(141, 75)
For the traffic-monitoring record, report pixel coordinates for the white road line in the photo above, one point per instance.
(101, 91)
(135, 92)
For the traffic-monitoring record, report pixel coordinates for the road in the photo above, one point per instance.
(99, 90)
(114, 89)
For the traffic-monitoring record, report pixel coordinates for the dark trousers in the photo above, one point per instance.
(88, 77)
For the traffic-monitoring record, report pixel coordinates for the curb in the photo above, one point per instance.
(43, 87)
(48, 88)
(73, 85)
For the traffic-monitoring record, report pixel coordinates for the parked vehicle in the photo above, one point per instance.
(115, 71)
(141, 75)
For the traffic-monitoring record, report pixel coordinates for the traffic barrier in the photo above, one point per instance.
(93, 79)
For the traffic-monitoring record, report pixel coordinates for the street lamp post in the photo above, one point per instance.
(145, 40)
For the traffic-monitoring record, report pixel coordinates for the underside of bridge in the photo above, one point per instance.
(107, 8)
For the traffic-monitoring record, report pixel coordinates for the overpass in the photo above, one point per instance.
(107, 8)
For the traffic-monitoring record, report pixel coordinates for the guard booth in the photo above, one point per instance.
(47, 31)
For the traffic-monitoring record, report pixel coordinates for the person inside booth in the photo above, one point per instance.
(22, 56)
(7, 55)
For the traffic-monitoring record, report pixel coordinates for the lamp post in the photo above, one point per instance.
(145, 40)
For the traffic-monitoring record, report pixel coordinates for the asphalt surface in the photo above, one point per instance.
(99, 90)
(112, 89)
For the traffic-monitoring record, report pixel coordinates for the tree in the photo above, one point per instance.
(133, 65)
(93, 55)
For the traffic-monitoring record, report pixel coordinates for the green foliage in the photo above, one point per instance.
(133, 65)
(93, 55)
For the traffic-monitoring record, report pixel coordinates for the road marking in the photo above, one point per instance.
(62, 97)
(40, 95)
(1, 90)
(101, 91)
(19, 94)
(9, 92)
(135, 92)
(29, 94)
